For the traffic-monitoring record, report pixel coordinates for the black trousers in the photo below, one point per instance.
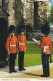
(45, 63)
(21, 60)
(12, 58)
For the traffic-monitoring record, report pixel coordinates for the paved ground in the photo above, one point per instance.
(31, 72)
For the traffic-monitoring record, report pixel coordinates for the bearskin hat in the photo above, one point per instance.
(45, 29)
(21, 28)
(11, 29)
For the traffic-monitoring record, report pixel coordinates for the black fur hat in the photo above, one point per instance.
(21, 28)
(11, 29)
(45, 29)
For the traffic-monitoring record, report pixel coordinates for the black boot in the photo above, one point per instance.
(23, 69)
(14, 71)
(10, 71)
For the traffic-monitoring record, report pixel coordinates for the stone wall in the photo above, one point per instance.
(0, 3)
(28, 13)
(11, 11)
(23, 11)
(43, 14)
(18, 11)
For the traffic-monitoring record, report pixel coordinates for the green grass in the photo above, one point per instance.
(33, 55)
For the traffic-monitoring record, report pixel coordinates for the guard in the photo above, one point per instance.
(22, 47)
(11, 47)
(46, 46)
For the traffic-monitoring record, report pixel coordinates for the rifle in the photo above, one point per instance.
(7, 59)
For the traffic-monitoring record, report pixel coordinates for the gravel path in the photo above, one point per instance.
(30, 72)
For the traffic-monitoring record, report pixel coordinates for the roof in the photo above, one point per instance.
(1, 12)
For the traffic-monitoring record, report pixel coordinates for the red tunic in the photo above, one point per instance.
(46, 45)
(22, 43)
(11, 44)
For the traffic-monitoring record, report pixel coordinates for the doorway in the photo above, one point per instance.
(3, 37)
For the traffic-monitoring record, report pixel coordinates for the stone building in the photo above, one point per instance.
(35, 12)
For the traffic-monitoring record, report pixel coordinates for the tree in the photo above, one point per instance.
(51, 15)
